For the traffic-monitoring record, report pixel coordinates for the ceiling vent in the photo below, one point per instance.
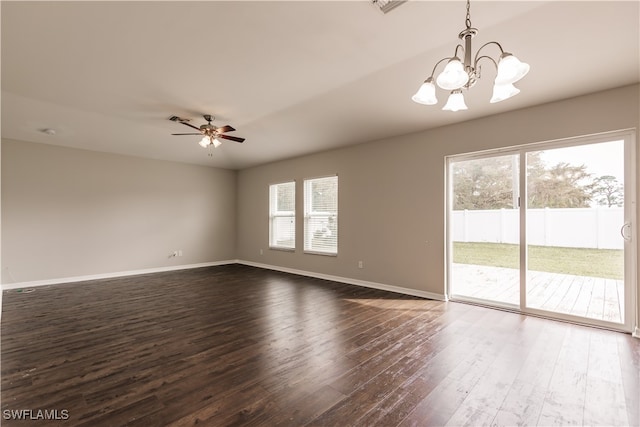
(387, 5)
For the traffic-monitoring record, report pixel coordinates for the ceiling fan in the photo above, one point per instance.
(210, 133)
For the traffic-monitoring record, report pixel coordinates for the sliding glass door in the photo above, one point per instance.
(485, 229)
(576, 230)
(546, 229)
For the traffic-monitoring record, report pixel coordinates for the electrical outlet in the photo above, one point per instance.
(261, 252)
(179, 252)
(360, 264)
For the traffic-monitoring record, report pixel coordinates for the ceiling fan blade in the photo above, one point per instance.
(186, 134)
(225, 128)
(231, 138)
(190, 125)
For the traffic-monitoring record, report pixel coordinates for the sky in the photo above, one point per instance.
(606, 158)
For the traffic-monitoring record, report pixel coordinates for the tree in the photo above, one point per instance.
(560, 186)
(490, 183)
(483, 183)
(286, 197)
(607, 191)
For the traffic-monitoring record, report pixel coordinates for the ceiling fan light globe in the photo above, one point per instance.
(510, 69)
(503, 91)
(216, 142)
(204, 142)
(426, 95)
(455, 102)
(453, 76)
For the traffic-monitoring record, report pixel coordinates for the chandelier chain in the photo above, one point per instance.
(468, 20)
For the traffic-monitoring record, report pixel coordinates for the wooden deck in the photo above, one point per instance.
(590, 297)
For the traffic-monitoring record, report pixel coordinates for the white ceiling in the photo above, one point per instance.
(292, 77)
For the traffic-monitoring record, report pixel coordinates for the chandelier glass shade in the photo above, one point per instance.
(503, 91)
(455, 101)
(453, 76)
(426, 94)
(463, 74)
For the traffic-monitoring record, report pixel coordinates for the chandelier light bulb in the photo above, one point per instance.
(426, 94)
(455, 102)
(204, 142)
(510, 69)
(216, 142)
(503, 91)
(453, 76)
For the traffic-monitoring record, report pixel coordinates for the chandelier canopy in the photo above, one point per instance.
(458, 75)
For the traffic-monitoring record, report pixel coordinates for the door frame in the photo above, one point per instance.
(630, 322)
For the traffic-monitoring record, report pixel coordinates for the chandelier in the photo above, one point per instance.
(458, 75)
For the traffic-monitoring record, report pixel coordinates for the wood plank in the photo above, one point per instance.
(553, 292)
(564, 401)
(485, 399)
(558, 287)
(523, 402)
(581, 305)
(612, 303)
(542, 288)
(621, 297)
(237, 345)
(604, 397)
(596, 305)
(629, 353)
(566, 304)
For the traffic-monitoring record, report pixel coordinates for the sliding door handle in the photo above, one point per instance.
(625, 236)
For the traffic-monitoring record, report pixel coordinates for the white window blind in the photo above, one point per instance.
(321, 215)
(282, 215)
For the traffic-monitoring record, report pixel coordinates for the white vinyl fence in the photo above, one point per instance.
(597, 227)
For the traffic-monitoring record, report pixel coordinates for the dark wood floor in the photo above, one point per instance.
(236, 345)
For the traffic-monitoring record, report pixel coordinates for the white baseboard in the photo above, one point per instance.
(20, 285)
(349, 281)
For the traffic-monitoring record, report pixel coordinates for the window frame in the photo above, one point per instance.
(274, 213)
(309, 214)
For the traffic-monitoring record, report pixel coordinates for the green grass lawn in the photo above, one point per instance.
(608, 263)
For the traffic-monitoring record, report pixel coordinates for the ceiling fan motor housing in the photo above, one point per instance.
(208, 129)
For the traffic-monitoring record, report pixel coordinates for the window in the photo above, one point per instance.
(321, 215)
(282, 215)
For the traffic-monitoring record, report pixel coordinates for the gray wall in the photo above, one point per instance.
(69, 212)
(391, 192)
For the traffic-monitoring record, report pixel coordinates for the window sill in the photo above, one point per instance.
(277, 248)
(332, 254)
